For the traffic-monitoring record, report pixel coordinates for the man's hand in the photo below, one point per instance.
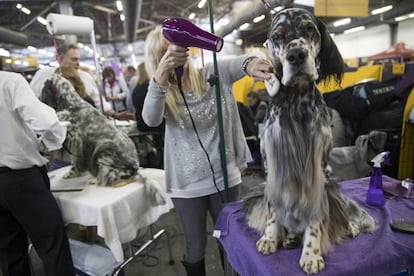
(124, 116)
(111, 99)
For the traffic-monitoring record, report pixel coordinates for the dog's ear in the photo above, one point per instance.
(331, 62)
(48, 95)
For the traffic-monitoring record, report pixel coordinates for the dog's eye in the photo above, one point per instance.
(279, 33)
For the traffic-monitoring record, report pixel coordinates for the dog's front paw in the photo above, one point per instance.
(353, 229)
(93, 181)
(71, 174)
(266, 246)
(311, 263)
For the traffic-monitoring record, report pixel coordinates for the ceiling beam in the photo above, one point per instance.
(132, 12)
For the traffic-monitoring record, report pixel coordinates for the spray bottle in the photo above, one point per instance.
(375, 195)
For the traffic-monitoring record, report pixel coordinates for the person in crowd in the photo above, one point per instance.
(27, 207)
(138, 97)
(72, 75)
(194, 180)
(131, 78)
(255, 112)
(115, 89)
(257, 106)
(68, 55)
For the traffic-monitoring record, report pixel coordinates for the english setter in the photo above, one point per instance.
(299, 198)
(94, 144)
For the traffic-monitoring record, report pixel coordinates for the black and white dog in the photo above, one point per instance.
(299, 197)
(93, 144)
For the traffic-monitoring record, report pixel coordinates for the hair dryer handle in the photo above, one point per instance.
(179, 72)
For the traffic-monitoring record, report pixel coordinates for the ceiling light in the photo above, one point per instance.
(130, 48)
(31, 48)
(223, 21)
(23, 9)
(401, 18)
(122, 17)
(4, 53)
(80, 45)
(8, 60)
(191, 16)
(42, 20)
(26, 10)
(277, 9)
(119, 5)
(411, 15)
(244, 26)
(342, 22)
(353, 30)
(259, 18)
(381, 10)
(238, 42)
(201, 4)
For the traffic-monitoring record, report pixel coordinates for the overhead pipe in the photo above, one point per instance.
(12, 37)
(132, 12)
(255, 9)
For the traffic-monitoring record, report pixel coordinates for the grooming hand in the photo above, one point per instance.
(260, 69)
(124, 116)
(174, 57)
(111, 99)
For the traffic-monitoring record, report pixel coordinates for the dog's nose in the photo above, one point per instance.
(297, 56)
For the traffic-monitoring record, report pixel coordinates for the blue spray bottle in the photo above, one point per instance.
(375, 195)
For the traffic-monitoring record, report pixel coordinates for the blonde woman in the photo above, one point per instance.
(189, 176)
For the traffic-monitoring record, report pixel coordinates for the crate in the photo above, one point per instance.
(406, 160)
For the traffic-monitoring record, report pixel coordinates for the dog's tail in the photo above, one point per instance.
(152, 190)
(255, 207)
(345, 213)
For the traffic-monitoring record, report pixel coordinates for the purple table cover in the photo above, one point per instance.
(383, 252)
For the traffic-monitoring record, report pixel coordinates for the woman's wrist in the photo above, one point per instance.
(162, 87)
(246, 64)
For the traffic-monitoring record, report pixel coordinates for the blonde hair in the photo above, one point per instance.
(154, 50)
(142, 74)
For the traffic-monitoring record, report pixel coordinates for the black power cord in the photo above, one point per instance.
(196, 132)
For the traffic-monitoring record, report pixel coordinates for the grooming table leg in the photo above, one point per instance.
(138, 252)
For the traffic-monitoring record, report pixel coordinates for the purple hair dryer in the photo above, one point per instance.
(183, 33)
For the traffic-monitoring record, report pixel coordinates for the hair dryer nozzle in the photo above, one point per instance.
(184, 33)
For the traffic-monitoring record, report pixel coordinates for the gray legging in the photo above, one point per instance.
(193, 216)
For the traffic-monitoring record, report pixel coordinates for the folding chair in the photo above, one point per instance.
(96, 260)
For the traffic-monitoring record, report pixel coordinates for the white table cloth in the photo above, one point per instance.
(117, 212)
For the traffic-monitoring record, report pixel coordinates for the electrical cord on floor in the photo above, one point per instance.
(198, 137)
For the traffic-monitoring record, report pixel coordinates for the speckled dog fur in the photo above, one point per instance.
(94, 144)
(299, 198)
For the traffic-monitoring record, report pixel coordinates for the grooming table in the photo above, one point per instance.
(117, 212)
(381, 253)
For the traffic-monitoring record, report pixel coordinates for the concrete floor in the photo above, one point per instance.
(157, 262)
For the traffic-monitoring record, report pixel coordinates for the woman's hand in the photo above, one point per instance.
(260, 69)
(174, 57)
(111, 99)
